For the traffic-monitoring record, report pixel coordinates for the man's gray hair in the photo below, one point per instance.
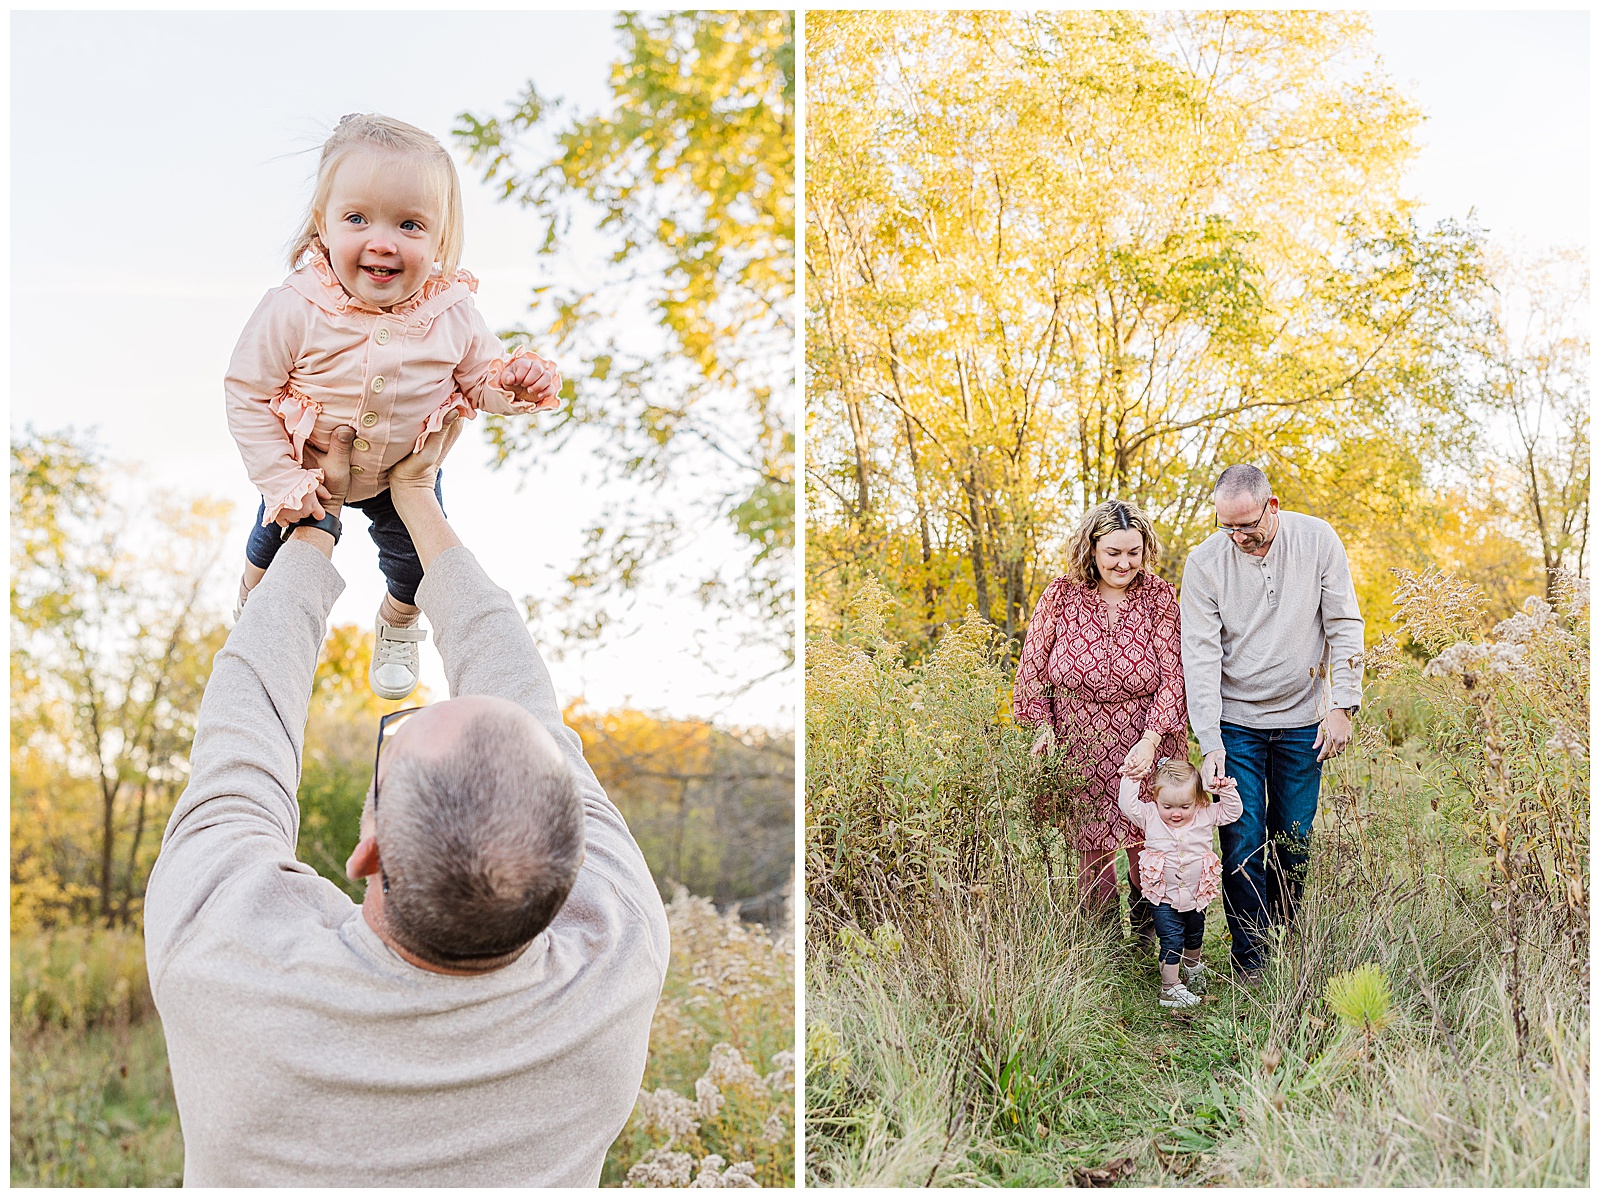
(1237, 482)
(481, 844)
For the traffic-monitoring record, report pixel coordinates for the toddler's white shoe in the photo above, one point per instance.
(1195, 978)
(396, 660)
(1179, 996)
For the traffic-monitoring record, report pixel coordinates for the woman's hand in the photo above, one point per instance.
(1140, 759)
(1045, 742)
(533, 379)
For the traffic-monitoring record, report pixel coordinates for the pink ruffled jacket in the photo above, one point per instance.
(1178, 866)
(313, 357)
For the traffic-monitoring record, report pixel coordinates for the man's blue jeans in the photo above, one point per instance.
(1264, 851)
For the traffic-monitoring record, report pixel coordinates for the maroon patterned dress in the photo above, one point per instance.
(1101, 691)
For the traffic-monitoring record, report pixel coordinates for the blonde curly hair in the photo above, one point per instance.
(1179, 773)
(360, 130)
(1114, 515)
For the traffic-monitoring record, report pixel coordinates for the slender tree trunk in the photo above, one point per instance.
(108, 807)
(133, 854)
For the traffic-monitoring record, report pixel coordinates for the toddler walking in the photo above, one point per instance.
(376, 329)
(1178, 870)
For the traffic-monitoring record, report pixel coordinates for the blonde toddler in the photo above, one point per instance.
(1179, 871)
(375, 329)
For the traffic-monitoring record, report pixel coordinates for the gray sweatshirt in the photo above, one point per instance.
(1269, 642)
(303, 1050)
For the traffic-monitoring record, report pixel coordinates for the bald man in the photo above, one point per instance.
(483, 1016)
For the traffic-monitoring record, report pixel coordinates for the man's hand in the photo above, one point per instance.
(328, 498)
(335, 464)
(415, 474)
(533, 379)
(1045, 741)
(1333, 734)
(1211, 768)
(335, 484)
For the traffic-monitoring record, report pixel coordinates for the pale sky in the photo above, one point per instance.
(160, 163)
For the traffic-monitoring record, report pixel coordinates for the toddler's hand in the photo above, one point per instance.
(534, 379)
(310, 508)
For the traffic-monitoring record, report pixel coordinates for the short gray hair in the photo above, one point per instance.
(1240, 481)
(480, 844)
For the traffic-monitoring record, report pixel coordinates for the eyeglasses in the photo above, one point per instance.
(1230, 529)
(386, 728)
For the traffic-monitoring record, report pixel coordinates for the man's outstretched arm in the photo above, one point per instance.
(244, 766)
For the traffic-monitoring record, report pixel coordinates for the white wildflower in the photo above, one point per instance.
(668, 1111)
(728, 1068)
(781, 1079)
(708, 1099)
(662, 1169)
(713, 1176)
(772, 1130)
(1518, 630)
(1507, 659)
(1458, 658)
(1567, 741)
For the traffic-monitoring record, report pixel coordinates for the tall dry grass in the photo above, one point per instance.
(980, 1034)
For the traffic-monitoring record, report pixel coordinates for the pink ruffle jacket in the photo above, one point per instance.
(313, 357)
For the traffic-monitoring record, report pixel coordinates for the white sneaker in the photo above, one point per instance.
(1179, 996)
(396, 660)
(1195, 978)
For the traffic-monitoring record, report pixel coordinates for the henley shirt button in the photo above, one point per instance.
(382, 337)
(377, 384)
(368, 419)
(358, 470)
(361, 444)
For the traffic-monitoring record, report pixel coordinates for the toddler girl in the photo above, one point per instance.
(1178, 870)
(375, 329)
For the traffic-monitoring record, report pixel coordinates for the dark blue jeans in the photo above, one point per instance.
(1178, 930)
(397, 556)
(1264, 851)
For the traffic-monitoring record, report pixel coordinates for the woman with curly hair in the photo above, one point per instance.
(1100, 676)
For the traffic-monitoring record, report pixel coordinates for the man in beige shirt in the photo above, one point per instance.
(483, 1017)
(1272, 644)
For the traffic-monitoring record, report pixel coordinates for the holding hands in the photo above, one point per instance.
(1141, 759)
(533, 379)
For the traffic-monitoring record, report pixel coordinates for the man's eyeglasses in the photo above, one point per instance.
(1230, 529)
(386, 727)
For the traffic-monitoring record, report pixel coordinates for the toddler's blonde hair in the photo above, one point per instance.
(1177, 773)
(360, 130)
(1114, 515)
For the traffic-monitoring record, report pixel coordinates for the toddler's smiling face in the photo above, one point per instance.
(382, 226)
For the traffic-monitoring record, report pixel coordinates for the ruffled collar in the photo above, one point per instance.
(317, 282)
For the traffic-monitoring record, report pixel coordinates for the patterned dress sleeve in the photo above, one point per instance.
(1168, 711)
(1030, 694)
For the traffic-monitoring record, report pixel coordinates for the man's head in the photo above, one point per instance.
(1246, 508)
(478, 830)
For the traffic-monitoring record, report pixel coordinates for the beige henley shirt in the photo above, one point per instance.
(1273, 641)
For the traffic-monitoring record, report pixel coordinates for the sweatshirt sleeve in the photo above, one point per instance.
(1129, 802)
(262, 411)
(239, 808)
(1341, 624)
(1167, 710)
(1030, 692)
(1202, 655)
(487, 650)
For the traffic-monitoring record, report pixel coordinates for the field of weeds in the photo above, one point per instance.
(92, 1102)
(1426, 1021)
